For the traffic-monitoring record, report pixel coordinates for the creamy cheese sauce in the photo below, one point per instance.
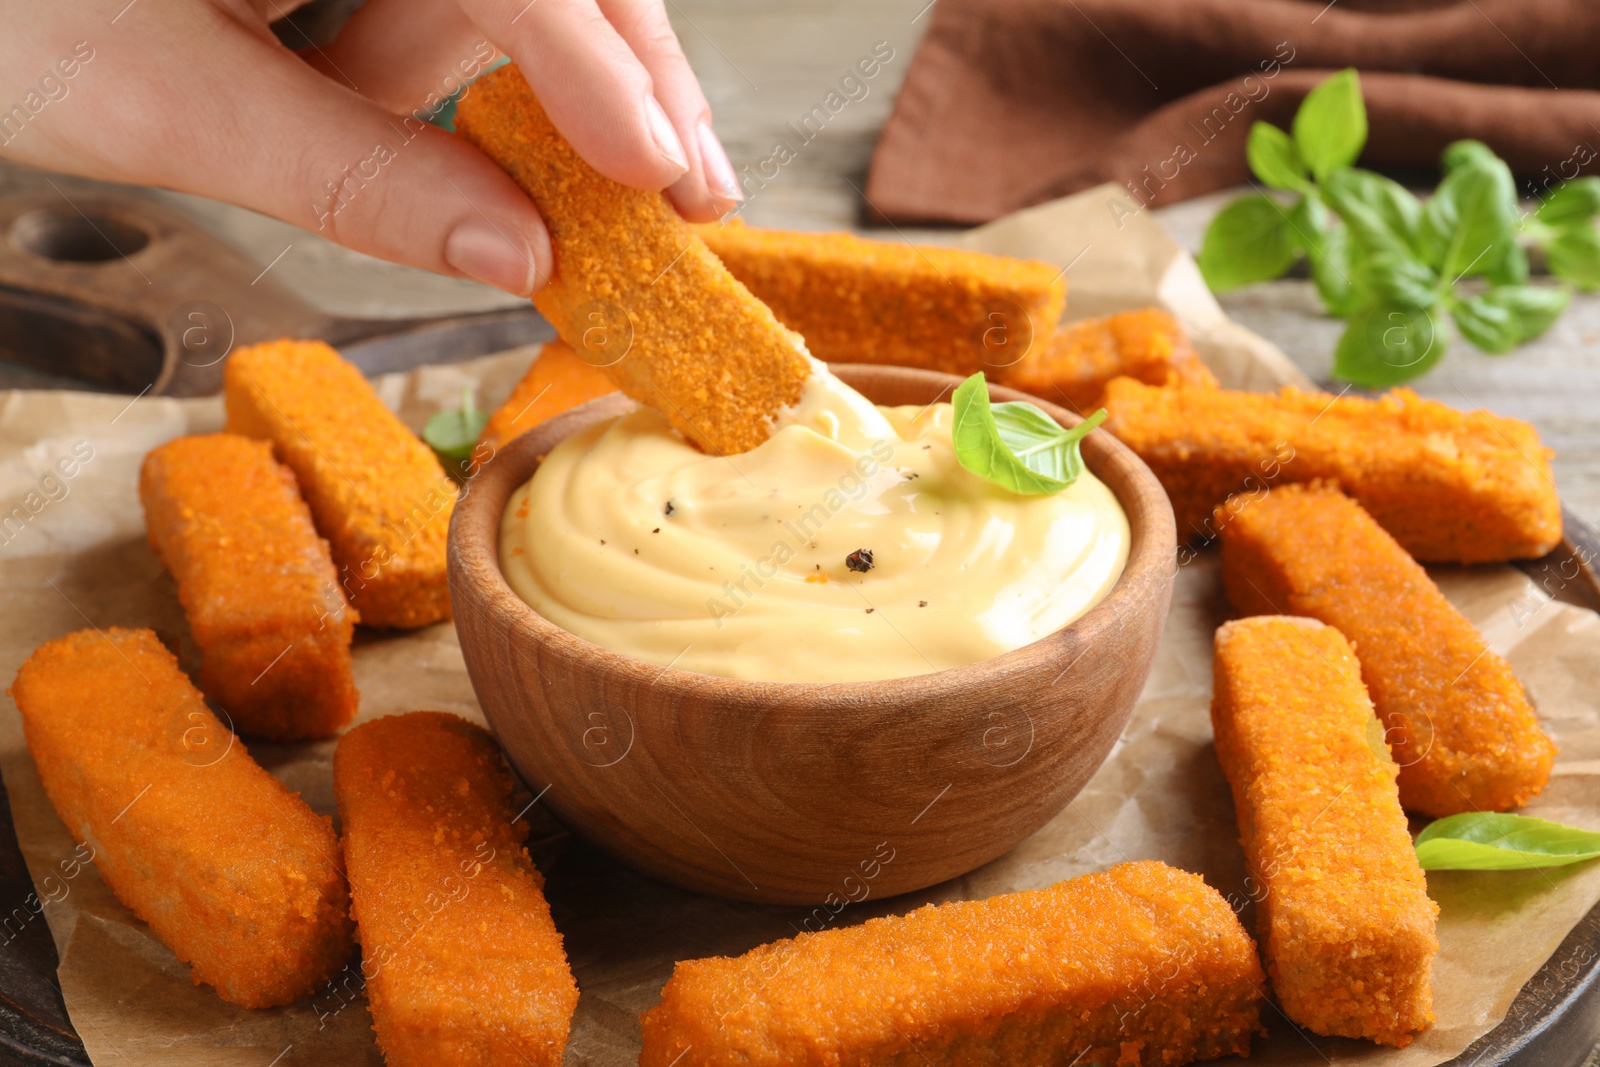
(741, 566)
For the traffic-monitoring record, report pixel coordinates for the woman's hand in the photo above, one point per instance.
(199, 96)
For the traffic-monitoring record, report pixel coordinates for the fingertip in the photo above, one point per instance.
(714, 190)
(513, 255)
(666, 139)
(721, 180)
(544, 256)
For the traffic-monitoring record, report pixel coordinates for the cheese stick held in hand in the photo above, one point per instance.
(635, 291)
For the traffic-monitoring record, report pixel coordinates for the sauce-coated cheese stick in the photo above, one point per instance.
(636, 287)
(1138, 964)
(1344, 916)
(464, 966)
(232, 871)
(1456, 717)
(256, 582)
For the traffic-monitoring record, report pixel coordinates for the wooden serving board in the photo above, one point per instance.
(1555, 1020)
(104, 287)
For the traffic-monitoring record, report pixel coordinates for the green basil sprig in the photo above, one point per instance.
(1400, 270)
(1015, 444)
(1564, 228)
(1490, 841)
(454, 434)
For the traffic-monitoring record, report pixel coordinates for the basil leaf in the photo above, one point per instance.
(1249, 241)
(1386, 344)
(1571, 203)
(1383, 214)
(1015, 445)
(1491, 841)
(1275, 159)
(1574, 256)
(1465, 153)
(1508, 264)
(454, 434)
(1534, 307)
(1326, 243)
(1467, 219)
(1488, 326)
(1330, 129)
(1392, 278)
(1508, 315)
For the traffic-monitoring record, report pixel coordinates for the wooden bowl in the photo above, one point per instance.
(802, 792)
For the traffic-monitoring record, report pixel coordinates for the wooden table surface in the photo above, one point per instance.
(765, 63)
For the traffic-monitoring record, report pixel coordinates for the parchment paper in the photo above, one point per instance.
(82, 560)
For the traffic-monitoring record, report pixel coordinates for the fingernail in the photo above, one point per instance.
(666, 137)
(720, 177)
(511, 258)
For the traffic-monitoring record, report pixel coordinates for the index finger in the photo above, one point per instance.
(590, 83)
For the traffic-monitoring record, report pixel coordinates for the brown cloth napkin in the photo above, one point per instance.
(1013, 102)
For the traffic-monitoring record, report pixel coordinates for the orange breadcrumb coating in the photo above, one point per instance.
(1343, 911)
(1141, 964)
(558, 381)
(376, 491)
(634, 286)
(1460, 726)
(1075, 365)
(857, 300)
(1451, 486)
(463, 965)
(231, 870)
(256, 583)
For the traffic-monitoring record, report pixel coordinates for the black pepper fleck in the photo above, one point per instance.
(859, 560)
(922, 603)
(670, 509)
(656, 530)
(871, 610)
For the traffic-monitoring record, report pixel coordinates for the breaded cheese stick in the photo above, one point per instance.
(1451, 486)
(1138, 964)
(857, 300)
(1344, 916)
(464, 966)
(1076, 364)
(680, 333)
(557, 381)
(1456, 717)
(256, 583)
(231, 870)
(376, 491)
